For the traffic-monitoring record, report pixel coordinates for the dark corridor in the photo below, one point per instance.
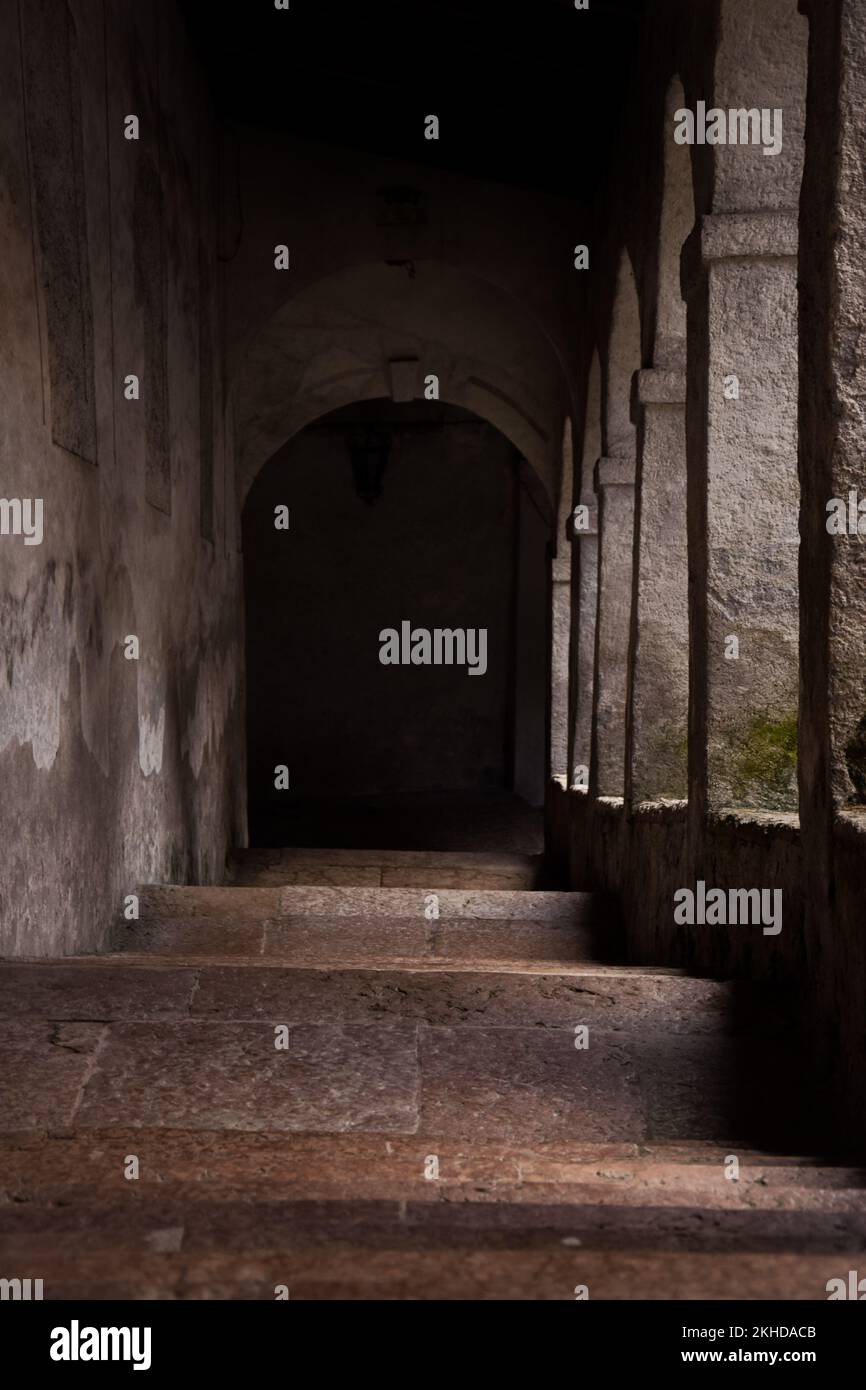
(378, 516)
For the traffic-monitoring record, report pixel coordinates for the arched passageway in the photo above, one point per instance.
(400, 474)
(410, 518)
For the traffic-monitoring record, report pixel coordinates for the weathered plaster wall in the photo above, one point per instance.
(113, 772)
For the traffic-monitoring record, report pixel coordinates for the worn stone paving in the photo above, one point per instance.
(430, 1129)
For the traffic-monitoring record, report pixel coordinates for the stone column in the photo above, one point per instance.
(658, 693)
(560, 583)
(833, 383)
(832, 764)
(584, 591)
(831, 464)
(739, 273)
(614, 483)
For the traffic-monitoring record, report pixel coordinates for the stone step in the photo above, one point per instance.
(352, 1272)
(371, 876)
(389, 942)
(461, 1056)
(129, 1219)
(171, 901)
(107, 989)
(408, 1038)
(384, 868)
(287, 856)
(224, 1165)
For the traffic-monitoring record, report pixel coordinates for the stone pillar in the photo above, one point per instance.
(614, 483)
(584, 590)
(832, 767)
(658, 692)
(739, 273)
(833, 434)
(560, 583)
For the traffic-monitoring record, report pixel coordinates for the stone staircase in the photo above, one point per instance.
(428, 1127)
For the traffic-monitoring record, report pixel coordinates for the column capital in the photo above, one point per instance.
(660, 386)
(614, 472)
(724, 236)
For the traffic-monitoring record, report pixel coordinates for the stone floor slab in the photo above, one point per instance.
(450, 903)
(65, 990)
(346, 1273)
(457, 877)
(525, 1084)
(199, 936)
(212, 1075)
(308, 940)
(45, 1066)
(613, 1002)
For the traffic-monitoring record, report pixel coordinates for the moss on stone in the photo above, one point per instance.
(767, 760)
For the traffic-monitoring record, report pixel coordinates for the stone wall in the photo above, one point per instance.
(113, 771)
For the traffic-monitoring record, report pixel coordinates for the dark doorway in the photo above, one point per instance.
(419, 514)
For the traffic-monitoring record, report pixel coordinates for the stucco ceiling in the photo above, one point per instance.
(527, 93)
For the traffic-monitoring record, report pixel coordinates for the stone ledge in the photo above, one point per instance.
(850, 825)
(670, 812)
(614, 472)
(772, 234)
(758, 824)
(728, 236)
(660, 386)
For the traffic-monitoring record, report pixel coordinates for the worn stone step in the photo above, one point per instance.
(408, 1038)
(371, 876)
(135, 1220)
(385, 868)
(287, 856)
(352, 940)
(393, 1077)
(172, 901)
(349, 1272)
(467, 1053)
(636, 1003)
(193, 1165)
(519, 1083)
